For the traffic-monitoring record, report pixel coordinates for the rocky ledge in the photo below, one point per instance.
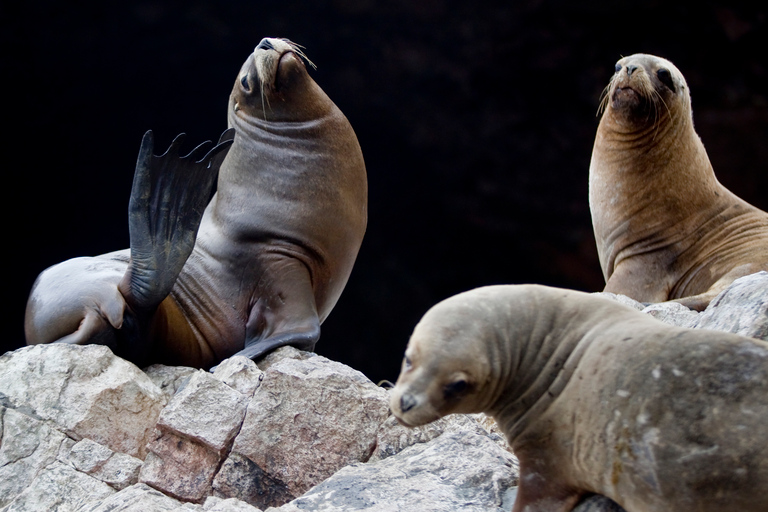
(83, 430)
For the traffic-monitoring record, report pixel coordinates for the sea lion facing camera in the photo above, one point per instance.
(595, 397)
(665, 227)
(274, 248)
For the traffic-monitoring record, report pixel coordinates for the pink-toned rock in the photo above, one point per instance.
(180, 467)
(308, 419)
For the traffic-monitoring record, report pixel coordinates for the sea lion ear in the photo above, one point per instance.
(665, 77)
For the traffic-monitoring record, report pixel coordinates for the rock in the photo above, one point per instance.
(309, 418)
(136, 498)
(285, 352)
(213, 504)
(60, 488)
(28, 445)
(117, 470)
(742, 308)
(205, 410)
(456, 471)
(86, 390)
(621, 299)
(672, 313)
(393, 437)
(194, 432)
(244, 479)
(240, 373)
(168, 378)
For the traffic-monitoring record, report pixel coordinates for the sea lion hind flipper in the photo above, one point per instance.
(168, 198)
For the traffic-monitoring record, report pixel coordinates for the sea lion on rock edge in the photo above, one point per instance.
(665, 227)
(274, 248)
(595, 397)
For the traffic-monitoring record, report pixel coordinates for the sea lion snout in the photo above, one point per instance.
(407, 402)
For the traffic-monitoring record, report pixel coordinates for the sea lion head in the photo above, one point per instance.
(644, 89)
(447, 368)
(273, 85)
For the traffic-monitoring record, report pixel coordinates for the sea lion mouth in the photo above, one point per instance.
(625, 96)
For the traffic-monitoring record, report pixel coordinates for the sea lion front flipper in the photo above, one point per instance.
(168, 198)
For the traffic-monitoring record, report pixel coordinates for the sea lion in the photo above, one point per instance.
(273, 251)
(595, 397)
(665, 227)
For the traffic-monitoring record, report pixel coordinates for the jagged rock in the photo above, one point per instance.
(28, 445)
(456, 471)
(117, 470)
(672, 313)
(213, 504)
(285, 352)
(168, 378)
(393, 437)
(309, 418)
(621, 299)
(205, 410)
(61, 488)
(86, 390)
(136, 498)
(741, 308)
(244, 479)
(193, 433)
(240, 373)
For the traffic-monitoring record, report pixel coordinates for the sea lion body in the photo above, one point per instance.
(595, 397)
(277, 242)
(665, 228)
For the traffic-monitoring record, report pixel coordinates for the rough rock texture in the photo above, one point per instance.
(463, 471)
(292, 432)
(78, 387)
(308, 419)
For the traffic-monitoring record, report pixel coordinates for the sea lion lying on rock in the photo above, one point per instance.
(665, 227)
(595, 397)
(274, 248)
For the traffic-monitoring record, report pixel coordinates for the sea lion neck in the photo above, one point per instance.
(547, 330)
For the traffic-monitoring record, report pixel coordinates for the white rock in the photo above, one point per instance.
(60, 488)
(168, 378)
(456, 471)
(136, 498)
(742, 308)
(118, 470)
(205, 410)
(27, 447)
(240, 373)
(86, 390)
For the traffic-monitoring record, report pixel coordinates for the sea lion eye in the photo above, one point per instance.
(618, 67)
(455, 388)
(244, 82)
(406, 363)
(666, 78)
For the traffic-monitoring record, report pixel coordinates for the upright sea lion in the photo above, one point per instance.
(274, 248)
(595, 397)
(665, 227)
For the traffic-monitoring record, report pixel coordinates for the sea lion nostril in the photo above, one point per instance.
(407, 402)
(631, 69)
(265, 44)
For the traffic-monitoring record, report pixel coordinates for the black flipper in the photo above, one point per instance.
(168, 198)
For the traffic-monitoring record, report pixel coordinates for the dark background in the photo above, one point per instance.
(476, 120)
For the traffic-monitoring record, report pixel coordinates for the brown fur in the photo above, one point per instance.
(595, 397)
(665, 227)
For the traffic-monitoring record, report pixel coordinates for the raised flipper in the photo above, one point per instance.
(168, 198)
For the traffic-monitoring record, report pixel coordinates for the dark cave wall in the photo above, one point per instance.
(476, 121)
